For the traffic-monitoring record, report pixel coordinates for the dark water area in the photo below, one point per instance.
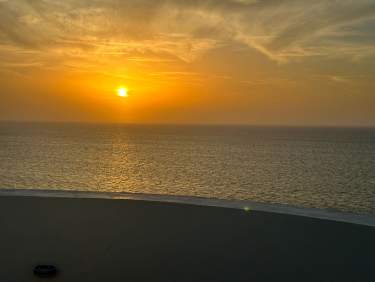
(331, 168)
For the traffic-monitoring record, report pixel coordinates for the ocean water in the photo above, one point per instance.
(331, 168)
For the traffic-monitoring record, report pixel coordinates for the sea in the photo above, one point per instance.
(326, 168)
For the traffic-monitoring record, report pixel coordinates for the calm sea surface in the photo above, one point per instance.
(311, 167)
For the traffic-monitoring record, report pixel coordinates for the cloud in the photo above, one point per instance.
(283, 31)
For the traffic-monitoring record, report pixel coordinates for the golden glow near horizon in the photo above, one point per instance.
(222, 61)
(122, 92)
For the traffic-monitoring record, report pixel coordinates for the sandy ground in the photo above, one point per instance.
(133, 240)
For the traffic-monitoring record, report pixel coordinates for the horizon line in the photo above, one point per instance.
(189, 124)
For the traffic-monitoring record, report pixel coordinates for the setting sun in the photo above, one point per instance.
(122, 92)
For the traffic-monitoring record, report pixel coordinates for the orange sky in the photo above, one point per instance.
(248, 62)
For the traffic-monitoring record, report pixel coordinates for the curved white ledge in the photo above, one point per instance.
(199, 201)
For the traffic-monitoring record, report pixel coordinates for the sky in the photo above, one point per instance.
(261, 62)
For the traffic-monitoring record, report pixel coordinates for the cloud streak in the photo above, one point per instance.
(283, 31)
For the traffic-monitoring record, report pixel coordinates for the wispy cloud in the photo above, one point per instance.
(283, 31)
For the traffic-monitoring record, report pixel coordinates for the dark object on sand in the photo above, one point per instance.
(45, 270)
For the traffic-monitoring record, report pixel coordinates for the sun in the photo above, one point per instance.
(122, 92)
